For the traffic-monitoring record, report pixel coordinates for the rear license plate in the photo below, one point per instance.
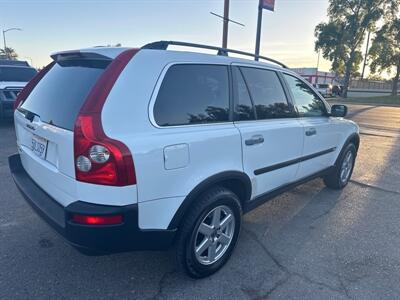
(39, 146)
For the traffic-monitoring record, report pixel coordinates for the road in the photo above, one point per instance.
(310, 243)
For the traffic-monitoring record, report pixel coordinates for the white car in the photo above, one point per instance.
(324, 89)
(14, 75)
(125, 149)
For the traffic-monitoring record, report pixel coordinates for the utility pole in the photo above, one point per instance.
(366, 55)
(316, 78)
(4, 39)
(258, 36)
(226, 23)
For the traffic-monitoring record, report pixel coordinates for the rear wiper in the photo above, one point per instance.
(28, 114)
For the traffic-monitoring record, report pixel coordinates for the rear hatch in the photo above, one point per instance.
(45, 123)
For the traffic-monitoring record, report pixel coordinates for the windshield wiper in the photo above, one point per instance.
(28, 114)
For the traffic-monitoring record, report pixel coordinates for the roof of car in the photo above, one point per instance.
(10, 62)
(17, 66)
(112, 52)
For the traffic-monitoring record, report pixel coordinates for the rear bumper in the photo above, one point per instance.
(89, 238)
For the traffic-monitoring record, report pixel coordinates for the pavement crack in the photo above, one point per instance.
(325, 213)
(344, 287)
(321, 284)
(290, 273)
(266, 250)
(374, 187)
(255, 295)
(277, 285)
(161, 284)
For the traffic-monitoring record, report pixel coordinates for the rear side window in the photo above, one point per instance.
(58, 97)
(193, 94)
(244, 108)
(267, 93)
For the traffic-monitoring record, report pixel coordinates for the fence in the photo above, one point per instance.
(371, 85)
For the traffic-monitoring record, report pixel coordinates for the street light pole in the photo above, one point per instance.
(4, 39)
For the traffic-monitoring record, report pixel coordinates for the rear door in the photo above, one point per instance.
(272, 136)
(45, 122)
(321, 135)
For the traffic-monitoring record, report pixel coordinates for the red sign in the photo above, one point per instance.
(268, 4)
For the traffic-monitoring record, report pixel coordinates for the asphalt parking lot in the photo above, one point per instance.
(310, 243)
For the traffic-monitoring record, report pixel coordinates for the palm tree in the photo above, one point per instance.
(8, 53)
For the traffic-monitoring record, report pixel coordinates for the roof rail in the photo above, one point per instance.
(163, 45)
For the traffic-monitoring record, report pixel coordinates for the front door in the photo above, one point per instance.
(272, 136)
(320, 135)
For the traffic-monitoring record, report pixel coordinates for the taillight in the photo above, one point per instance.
(31, 85)
(98, 158)
(97, 220)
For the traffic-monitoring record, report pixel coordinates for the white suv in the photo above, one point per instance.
(126, 149)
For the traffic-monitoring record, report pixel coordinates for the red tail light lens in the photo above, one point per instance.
(31, 85)
(118, 169)
(97, 220)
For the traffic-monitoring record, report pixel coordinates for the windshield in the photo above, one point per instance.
(59, 95)
(23, 74)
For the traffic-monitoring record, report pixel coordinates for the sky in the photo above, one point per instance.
(49, 26)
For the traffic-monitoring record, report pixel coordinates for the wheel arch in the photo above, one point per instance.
(237, 182)
(352, 138)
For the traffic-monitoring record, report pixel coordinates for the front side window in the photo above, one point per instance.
(267, 93)
(193, 94)
(306, 101)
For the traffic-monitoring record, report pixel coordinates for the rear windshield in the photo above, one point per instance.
(59, 95)
(23, 74)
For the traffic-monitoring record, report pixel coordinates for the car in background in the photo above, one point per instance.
(11, 62)
(324, 89)
(14, 75)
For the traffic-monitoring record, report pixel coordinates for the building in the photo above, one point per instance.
(314, 76)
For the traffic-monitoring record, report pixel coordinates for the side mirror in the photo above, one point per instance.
(338, 110)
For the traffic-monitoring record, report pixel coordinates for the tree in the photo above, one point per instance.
(8, 53)
(341, 38)
(385, 51)
(375, 77)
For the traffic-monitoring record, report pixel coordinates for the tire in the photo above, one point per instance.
(338, 180)
(217, 200)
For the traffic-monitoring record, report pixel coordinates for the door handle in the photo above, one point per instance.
(255, 139)
(311, 131)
